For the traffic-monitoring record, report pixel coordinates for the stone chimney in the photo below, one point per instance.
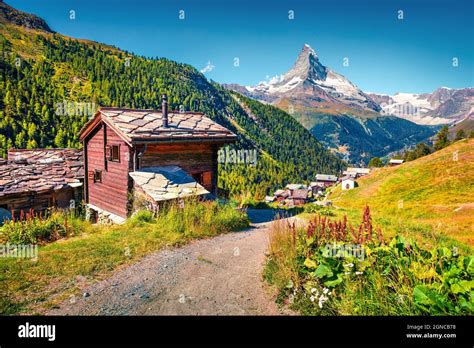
(164, 110)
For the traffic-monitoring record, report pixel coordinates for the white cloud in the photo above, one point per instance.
(208, 68)
(271, 80)
(275, 79)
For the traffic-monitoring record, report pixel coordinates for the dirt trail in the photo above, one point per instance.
(217, 276)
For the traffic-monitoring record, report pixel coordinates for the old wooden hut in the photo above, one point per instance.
(39, 179)
(150, 156)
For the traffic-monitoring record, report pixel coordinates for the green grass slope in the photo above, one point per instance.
(431, 198)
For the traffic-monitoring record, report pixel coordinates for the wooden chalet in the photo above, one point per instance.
(148, 155)
(356, 172)
(39, 179)
(281, 195)
(325, 180)
(316, 189)
(298, 197)
(395, 162)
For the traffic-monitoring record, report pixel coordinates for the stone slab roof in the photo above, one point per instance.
(40, 171)
(359, 170)
(325, 177)
(299, 194)
(282, 193)
(295, 186)
(147, 125)
(166, 183)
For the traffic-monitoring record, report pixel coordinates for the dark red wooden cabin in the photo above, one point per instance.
(119, 141)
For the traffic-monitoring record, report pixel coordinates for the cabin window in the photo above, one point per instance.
(204, 179)
(114, 154)
(115, 150)
(198, 177)
(97, 175)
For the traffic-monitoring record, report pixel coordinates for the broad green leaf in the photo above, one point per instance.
(420, 294)
(444, 252)
(323, 271)
(469, 263)
(462, 287)
(334, 282)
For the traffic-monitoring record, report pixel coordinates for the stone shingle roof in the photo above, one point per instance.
(326, 177)
(147, 125)
(295, 186)
(40, 170)
(281, 193)
(299, 194)
(166, 183)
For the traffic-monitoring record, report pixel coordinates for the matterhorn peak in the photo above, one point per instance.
(308, 50)
(307, 66)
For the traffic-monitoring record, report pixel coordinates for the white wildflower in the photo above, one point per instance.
(359, 273)
(325, 290)
(312, 298)
(349, 265)
(322, 299)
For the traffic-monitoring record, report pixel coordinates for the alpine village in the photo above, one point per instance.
(111, 163)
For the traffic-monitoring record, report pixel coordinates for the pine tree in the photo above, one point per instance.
(442, 138)
(460, 134)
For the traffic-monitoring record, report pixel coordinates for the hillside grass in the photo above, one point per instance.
(34, 286)
(430, 199)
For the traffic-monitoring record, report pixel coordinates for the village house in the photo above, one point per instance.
(281, 195)
(347, 183)
(395, 162)
(293, 187)
(298, 197)
(39, 179)
(141, 158)
(269, 199)
(324, 180)
(316, 189)
(356, 172)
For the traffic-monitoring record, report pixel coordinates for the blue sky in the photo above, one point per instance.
(386, 55)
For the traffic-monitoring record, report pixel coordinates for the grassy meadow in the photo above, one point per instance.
(415, 224)
(75, 248)
(430, 199)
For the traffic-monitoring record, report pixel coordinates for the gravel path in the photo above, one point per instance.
(217, 276)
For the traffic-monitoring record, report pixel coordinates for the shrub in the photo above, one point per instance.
(315, 208)
(32, 228)
(333, 268)
(193, 218)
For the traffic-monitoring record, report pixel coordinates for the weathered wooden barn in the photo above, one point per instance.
(325, 180)
(39, 179)
(148, 155)
(298, 197)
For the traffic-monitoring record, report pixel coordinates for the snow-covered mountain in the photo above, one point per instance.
(354, 124)
(312, 81)
(443, 106)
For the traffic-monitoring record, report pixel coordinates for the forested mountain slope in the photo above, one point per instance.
(44, 78)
